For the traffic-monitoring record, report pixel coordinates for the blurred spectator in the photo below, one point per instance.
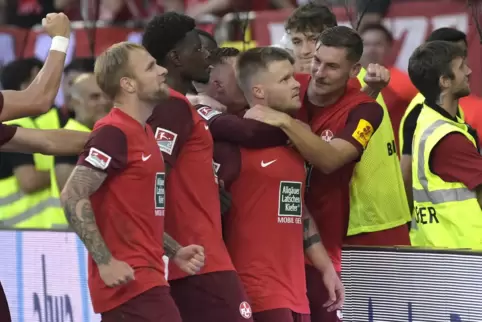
(77, 67)
(373, 11)
(377, 44)
(26, 13)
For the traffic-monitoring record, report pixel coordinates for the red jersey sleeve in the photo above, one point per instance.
(105, 150)
(455, 159)
(245, 132)
(6, 133)
(228, 156)
(172, 125)
(362, 122)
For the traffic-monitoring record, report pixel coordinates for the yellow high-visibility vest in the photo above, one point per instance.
(36, 210)
(447, 214)
(377, 194)
(71, 125)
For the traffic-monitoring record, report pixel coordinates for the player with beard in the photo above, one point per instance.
(447, 177)
(115, 201)
(355, 191)
(192, 191)
(267, 187)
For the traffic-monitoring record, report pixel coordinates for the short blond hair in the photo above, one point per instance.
(112, 65)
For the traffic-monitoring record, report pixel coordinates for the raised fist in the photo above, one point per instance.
(56, 24)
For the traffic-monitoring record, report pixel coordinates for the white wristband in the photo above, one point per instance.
(60, 43)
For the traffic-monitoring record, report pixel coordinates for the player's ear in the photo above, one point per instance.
(174, 58)
(218, 85)
(355, 70)
(258, 91)
(127, 84)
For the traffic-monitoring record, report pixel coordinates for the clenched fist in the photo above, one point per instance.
(56, 24)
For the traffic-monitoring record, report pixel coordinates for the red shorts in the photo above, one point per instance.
(154, 305)
(317, 296)
(4, 311)
(396, 236)
(211, 297)
(280, 315)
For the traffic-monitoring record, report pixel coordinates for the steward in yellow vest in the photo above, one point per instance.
(27, 210)
(446, 164)
(447, 214)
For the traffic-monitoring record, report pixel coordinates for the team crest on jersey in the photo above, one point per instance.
(166, 140)
(98, 158)
(207, 113)
(327, 135)
(245, 310)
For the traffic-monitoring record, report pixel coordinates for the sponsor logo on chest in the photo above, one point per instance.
(290, 202)
(160, 194)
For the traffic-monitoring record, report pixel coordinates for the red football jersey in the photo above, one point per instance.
(129, 206)
(263, 230)
(193, 207)
(328, 197)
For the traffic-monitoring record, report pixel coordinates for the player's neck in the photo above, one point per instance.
(178, 83)
(135, 108)
(326, 99)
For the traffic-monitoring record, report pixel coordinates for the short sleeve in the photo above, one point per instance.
(361, 124)
(455, 159)
(172, 125)
(6, 133)
(408, 129)
(228, 156)
(105, 150)
(246, 132)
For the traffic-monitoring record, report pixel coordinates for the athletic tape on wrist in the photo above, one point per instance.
(60, 43)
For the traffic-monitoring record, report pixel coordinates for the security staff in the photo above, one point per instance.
(89, 104)
(25, 200)
(446, 164)
(409, 119)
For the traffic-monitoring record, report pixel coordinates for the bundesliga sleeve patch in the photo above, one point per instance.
(207, 113)
(166, 140)
(98, 158)
(363, 132)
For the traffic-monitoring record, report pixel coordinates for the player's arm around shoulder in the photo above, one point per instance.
(325, 156)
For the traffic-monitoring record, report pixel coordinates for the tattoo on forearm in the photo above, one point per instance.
(80, 215)
(170, 246)
(310, 233)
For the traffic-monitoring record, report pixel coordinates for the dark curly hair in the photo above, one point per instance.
(164, 32)
(17, 72)
(310, 17)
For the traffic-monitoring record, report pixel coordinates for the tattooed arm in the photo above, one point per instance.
(83, 182)
(312, 244)
(316, 252)
(171, 247)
